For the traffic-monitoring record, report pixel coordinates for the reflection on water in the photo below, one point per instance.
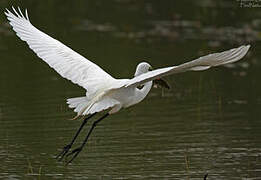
(208, 123)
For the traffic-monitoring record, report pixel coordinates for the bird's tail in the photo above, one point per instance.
(79, 104)
(84, 106)
(74, 102)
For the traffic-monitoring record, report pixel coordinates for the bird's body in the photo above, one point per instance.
(114, 94)
(102, 90)
(107, 97)
(129, 96)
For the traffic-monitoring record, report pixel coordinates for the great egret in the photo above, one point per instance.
(102, 90)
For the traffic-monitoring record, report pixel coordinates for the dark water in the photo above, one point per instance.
(208, 123)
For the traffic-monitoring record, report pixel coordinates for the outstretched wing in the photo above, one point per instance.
(68, 63)
(199, 64)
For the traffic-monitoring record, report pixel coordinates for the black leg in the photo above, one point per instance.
(205, 177)
(68, 147)
(79, 149)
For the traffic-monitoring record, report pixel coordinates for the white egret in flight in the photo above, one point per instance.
(103, 92)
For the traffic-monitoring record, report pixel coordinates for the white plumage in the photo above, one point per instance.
(104, 91)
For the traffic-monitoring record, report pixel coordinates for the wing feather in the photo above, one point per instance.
(68, 63)
(199, 64)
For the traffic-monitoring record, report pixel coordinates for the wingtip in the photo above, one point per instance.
(244, 51)
(15, 11)
(248, 46)
(26, 15)
(20, 12)
(7, 11)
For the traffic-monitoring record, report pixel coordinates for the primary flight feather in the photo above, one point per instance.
(102, 90)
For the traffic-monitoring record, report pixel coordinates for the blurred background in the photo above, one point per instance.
(208, 123)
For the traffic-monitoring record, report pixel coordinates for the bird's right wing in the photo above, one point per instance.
(199, 64)
(68, 63)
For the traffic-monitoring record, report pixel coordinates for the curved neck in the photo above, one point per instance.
(142, 93)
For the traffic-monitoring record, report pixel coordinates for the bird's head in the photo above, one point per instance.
(144, 67)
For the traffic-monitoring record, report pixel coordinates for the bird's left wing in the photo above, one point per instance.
(199, 64)
(68, 63)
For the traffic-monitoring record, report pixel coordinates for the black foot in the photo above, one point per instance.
(66, 149)
(75, 152)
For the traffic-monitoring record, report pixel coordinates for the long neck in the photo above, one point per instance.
(142, 93)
